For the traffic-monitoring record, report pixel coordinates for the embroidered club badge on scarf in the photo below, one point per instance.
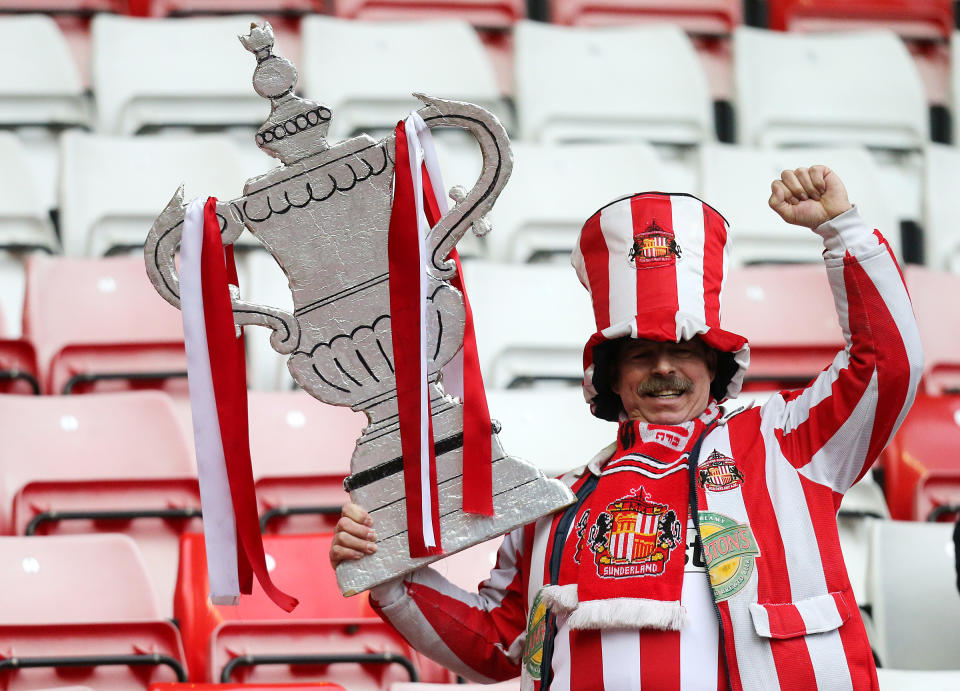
(623, 564)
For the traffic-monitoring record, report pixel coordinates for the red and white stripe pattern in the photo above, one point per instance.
(672, 299)
(794, 622)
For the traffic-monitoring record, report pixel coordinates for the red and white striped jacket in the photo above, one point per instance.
(789, 619)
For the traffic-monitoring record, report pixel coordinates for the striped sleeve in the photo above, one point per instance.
(835, 428)
(479, 636)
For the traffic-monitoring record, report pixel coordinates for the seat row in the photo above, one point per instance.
(112, 188)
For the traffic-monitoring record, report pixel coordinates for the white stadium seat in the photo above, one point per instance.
(736, 180)
(860, 507)
(955, 83)
(916, 680)
(24, 222)
(155, 73)
(366, 72)
(41, 84)
(554, 188)
(112, 188)
(912, 583)
(511, 685)
(265, 285)
(941, 208)
(551, 428)
(838, 88)
(633, 83)
(532, 322)
(12, 282)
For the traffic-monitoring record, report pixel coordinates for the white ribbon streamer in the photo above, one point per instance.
(219, 530)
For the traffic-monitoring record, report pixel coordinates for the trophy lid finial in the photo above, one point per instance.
(297, 127)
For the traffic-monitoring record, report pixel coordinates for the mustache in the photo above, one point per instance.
(660, 383)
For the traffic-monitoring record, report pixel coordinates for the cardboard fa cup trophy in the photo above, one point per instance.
(324, 216)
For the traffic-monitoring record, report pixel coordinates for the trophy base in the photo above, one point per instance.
(521, 495)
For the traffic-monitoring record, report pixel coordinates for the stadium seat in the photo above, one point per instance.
(157, 73)
(868, 90)
(787, 313)
(24, 222)
(18, 367)
(921, 477)
(916, 611)
(918, 680)
(484, 14)
(511, 685)
(99, 324)
(571, 85)
(532, 322)
(304, 686)
(299, 565)
(939, 322)
(286, 8)
(79, 598)
(913, 19)
(301, 450)
(862, 504)
(266, 284)
(551, 428)
(736, 181)
(941, 207)
(705, 17)
(370, 89)
(470, 567)
(569, 183)
(134, 179)
(44, 89)
(105, 463)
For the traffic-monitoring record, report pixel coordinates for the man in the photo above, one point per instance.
(602, 595)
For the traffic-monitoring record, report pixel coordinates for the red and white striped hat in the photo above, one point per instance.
(654, 264)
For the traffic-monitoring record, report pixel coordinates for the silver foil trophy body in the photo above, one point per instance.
(323, 215)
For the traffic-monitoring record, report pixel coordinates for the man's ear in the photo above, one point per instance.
(711, 360)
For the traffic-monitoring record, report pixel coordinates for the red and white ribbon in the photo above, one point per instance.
(218, 397)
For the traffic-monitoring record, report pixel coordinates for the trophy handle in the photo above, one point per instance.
(161, 246)
(497, 166)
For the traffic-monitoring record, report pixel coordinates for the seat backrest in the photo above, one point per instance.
(569, 182)
(18, 364)
(911, 19)
(704, 17)
(74, 579)
(45, 88)
(129, 436)
(868, 90)
(913, 590)
(736, 180)
(941, 206)
(551, 428)
(265, 285)
(917, 680)
(486, 14)
(135, 178)
(94, 302)
(531, 322)
(298, 563)
(939, 323)
(24, 222)
(365, 72)
(173, 72)
(575, 84)
(787, 314)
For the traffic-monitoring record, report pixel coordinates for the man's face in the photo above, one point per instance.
(664, 383)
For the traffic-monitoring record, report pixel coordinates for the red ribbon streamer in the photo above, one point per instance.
(403, 250)
(477, 445)
(228, 371)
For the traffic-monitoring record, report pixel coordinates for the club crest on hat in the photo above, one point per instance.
(654, 246)
(719, 473)
(634, 537)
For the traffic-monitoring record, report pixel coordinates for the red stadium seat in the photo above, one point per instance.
(98, 324)
(18, 367)
(299, 565)
(105, 463)
(306, 686)
(301, 451)
(485, 14)
(704, 17)
(939, 322)
(83, 609)
(916, 19)
(787, 314)
(921, 473)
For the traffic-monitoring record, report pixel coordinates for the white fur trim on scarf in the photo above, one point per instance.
(561, 599)
(628, 613)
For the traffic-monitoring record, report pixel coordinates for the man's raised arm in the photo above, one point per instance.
(833, 430)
